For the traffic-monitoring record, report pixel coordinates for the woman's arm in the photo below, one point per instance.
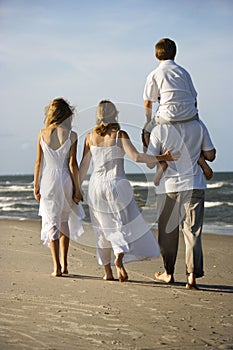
(73, 166)
(151, 160)
(86, 158)
(37, 169)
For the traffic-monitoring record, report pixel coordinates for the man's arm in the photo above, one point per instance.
(148, 110)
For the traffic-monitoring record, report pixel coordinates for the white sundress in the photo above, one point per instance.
(58, 210)
(115, 216)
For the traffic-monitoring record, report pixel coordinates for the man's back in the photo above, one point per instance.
(189, 138)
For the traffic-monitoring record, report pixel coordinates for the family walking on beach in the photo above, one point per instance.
(175, 141)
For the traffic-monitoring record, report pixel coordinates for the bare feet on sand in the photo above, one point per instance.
(65, 271)
(121, 272)
(191, 282)
(164, 277)
(56, 274)
(108, 276)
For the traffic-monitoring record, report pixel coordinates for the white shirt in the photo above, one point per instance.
(174, 86)
(189, 138)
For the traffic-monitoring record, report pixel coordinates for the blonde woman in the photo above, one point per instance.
(56, 184)
(121, 233)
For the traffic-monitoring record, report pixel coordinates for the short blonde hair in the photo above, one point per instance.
(58, 111)
(106, 117)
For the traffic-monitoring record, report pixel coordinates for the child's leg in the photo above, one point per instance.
(64, 246)
(161, 167)
(54, 247)
(208, 172)
(145, 140)
(121, 272)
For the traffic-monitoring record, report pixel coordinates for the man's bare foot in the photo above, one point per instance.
(121, 272)
(164, 277)
(191, 282)
(65, 271)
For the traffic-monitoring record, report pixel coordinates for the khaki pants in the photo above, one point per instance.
(185, 208)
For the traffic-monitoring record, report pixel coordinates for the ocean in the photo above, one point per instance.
(17, 200)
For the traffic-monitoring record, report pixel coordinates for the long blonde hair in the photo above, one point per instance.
(58, 111)
(106, 117)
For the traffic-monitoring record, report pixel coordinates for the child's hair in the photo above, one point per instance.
(106, 118)
(58, 111)
(165, 49)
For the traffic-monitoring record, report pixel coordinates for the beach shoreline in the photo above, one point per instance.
(81, 311)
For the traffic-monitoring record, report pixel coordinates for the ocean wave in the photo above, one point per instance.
(16, 209)
(142, 184)
(217, 184)
(16, 188)
(217, 204)
(220, 184)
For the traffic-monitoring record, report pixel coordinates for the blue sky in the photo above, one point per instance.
(89, 50)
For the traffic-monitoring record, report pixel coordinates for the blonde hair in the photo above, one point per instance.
(106, 117)
(57, 112)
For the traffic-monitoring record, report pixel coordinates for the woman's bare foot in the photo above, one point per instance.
(108, 276)
(121, 272)
(164, 277)
(56, 274)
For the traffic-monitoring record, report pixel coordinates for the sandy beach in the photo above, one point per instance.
(81, 311)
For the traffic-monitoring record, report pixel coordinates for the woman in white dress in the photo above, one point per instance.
(122, 235)
(56, 184)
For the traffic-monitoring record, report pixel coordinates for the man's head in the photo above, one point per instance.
(165, 49)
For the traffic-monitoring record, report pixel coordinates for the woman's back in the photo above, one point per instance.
(107, 155)
(56, 143)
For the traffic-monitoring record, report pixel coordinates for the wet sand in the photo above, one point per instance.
(81, 311)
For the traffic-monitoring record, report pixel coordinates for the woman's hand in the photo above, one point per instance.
(170, 157)
(37, 193)
(78, 196)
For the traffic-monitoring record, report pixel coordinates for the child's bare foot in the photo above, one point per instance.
(208, 172)
(121, 272)
(164, 277)
(161, 167)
